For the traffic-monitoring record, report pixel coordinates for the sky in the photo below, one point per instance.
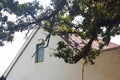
(9, 51)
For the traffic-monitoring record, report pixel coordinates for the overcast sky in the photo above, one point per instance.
(8, 52)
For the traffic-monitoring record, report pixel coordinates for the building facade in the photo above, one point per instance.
(26, 66)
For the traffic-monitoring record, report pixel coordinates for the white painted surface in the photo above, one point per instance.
(106, 67)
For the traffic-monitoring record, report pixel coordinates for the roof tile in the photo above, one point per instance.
(78, 42)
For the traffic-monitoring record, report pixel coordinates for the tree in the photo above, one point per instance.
(101, 18)
(2, 78)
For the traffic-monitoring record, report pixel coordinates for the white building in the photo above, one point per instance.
(26, 67)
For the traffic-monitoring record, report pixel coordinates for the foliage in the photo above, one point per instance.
(101, 18)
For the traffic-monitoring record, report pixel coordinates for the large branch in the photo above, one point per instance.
(43, 18)
(87, 48)
(108, 22)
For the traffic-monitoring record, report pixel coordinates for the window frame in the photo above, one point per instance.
(37, 52)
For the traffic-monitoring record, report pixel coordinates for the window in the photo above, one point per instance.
(40, 52)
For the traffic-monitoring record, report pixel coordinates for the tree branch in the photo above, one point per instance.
(43, 18)
(47, 37)
(108, 22)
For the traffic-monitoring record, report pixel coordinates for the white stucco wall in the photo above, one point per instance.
(106, 67)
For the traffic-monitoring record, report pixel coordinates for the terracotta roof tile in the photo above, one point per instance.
(78, 42)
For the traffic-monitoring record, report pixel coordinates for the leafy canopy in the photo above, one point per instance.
(100, 18)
